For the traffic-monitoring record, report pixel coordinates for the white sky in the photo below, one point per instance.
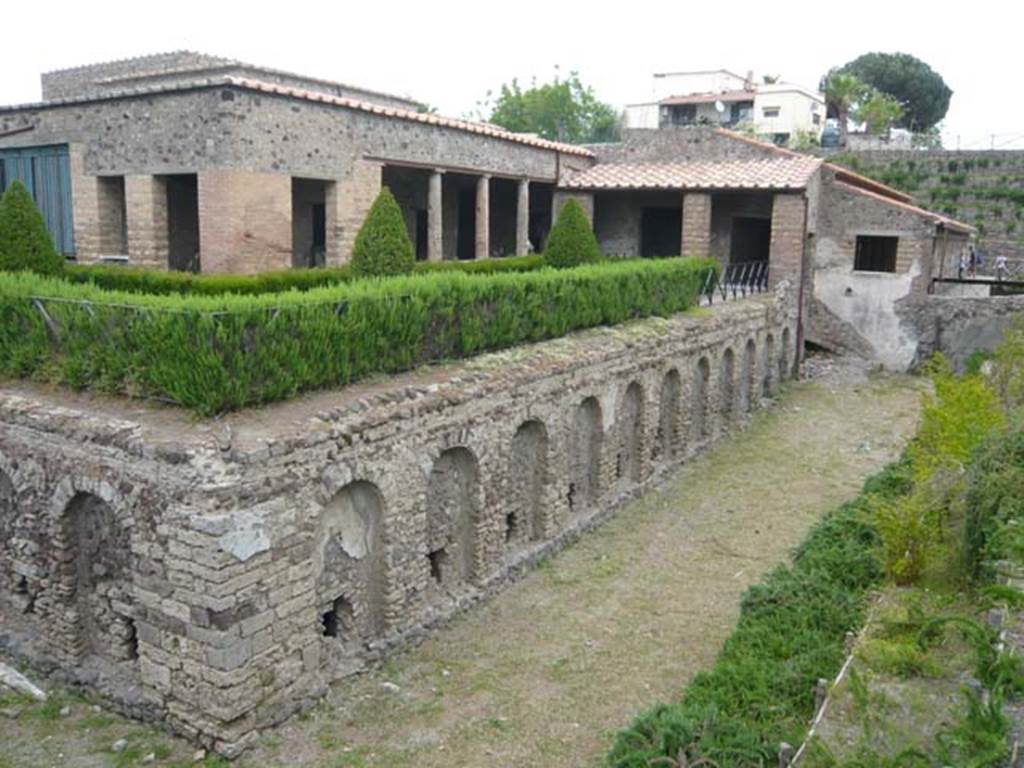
(450, 54)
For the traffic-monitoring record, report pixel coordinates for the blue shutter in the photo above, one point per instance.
(46, 173)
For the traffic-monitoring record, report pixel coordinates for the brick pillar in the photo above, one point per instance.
(696, 234)
(483, 217)
(789, 229)
(435, 218)
(348, 200)
(523, 218)
(85, 213)
(146, 211)
(245, 221)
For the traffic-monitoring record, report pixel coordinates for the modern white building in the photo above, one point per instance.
(723, 98)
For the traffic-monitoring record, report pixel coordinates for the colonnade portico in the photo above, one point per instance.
(444, 209)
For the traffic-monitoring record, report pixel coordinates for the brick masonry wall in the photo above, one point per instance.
(789, 228)
(696, 235)
(245, 221)
(273, 551)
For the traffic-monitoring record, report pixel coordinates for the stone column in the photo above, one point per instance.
(523, 218)
(483, 217)
(696, 234)
(435, 219)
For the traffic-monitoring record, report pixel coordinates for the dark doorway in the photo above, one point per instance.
(465, 244)
(309, 222)
(183, 222)
(319, 230)
(540, 215)
(421, 235)
(661, 232)
(751, 239)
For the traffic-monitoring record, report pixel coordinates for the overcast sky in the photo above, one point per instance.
(450, 54)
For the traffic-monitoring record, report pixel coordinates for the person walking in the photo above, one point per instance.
(1000, 267)
(961, 266)
(972, 262)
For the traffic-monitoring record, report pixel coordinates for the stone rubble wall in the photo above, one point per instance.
(270, 555)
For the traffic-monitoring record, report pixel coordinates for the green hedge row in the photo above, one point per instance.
(158, 281)
(217, 353)
(790, 633)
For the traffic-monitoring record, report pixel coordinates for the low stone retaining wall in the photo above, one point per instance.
(218, 575)
(959, 325)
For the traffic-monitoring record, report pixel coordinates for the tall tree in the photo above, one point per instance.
(842, 93)
(562, 110)
(878, 111)
(920, 89)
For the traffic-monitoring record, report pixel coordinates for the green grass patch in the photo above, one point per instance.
(218, 353)
(791, 633)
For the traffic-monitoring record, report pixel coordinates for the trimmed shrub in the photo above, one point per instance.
(25, 243)
(571, 241)
(382, 245)
(217, 353)
(164, 282)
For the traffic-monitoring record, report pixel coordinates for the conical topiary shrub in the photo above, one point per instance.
(25, 243)
(572, 240)
(382, 246)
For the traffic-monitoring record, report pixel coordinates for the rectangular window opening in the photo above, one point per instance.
(875, 253)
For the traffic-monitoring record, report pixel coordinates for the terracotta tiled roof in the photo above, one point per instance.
(843, 174)
(945, 221)
(709, 98)
(323, 98)
(769, 173)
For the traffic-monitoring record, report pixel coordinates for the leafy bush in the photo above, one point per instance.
(954, 421)
(25, 243)
(382, 244)
(215, 353)
(159, 281)
(994, 525)
(790, 633)
(920, 528)
(571, 241)
(1009, 366)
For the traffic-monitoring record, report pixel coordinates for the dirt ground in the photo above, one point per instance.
(545, 673)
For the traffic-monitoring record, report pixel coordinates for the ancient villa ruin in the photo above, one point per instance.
(218, 575)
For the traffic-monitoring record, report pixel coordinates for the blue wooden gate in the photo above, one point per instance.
(46, 172)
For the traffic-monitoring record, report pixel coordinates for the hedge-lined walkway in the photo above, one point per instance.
(548, 671)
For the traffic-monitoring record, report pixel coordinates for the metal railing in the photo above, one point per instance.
(737, 280)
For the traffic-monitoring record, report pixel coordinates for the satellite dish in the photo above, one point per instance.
(720, 106)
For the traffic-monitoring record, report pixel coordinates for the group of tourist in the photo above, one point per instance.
(972, 259)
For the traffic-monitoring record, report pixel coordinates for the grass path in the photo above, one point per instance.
(544, 674)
